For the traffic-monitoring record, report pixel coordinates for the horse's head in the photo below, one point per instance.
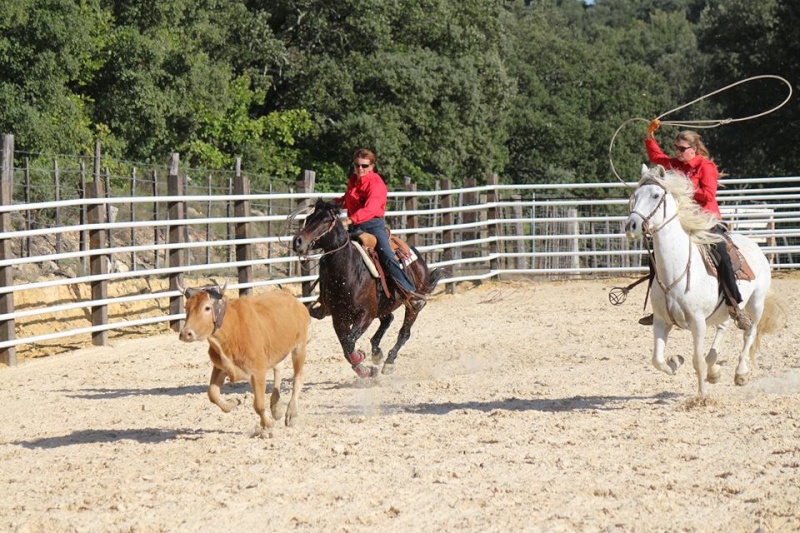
(648, 204)
(320, 224)
(663, 196)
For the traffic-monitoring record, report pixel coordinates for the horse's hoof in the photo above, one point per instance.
(675, 363)
(741, 379)
(364, 371)
(713, 374)
(377, 356)
(388, 368)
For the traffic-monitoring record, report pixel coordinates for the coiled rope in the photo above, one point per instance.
(700, 124)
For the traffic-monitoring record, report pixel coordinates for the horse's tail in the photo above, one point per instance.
(433, 278)
(772, 319)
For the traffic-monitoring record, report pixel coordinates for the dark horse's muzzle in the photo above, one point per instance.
(300, 243)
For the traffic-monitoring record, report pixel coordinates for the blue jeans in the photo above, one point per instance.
(389, 262)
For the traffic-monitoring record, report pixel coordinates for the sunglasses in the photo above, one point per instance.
(361, 166)
(682, 149)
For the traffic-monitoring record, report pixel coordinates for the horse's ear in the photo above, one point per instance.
(661, 171)
(644, 170)
(333, 207)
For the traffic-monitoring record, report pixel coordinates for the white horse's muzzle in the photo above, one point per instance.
(633, 226)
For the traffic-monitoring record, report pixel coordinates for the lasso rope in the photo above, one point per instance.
(699, 124)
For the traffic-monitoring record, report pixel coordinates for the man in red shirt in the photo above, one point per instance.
(365, 202)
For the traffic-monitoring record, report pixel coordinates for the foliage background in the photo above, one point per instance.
(530, 90)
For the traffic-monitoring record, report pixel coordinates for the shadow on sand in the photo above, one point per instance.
(574, 403)
(95, 436)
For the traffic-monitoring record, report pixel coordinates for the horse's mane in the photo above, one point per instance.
(695, 221)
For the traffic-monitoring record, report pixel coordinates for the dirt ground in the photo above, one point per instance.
(520, 406)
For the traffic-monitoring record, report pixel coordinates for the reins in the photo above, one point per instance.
(701, 124)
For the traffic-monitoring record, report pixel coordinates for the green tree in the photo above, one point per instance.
(194, 77)
(422, 83)
(746, 39)
(573, 93)
(49, 53)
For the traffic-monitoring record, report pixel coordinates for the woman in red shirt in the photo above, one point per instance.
(365, 201)
(693, 159)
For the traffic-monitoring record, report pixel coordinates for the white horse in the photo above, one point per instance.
(684, 293)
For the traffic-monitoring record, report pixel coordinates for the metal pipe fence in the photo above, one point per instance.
(113, 260)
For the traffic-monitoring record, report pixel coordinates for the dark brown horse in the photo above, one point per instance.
(351, 295)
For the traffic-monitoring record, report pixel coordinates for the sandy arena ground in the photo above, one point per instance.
(521, 406)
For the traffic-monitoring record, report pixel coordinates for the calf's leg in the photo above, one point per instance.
(275, 397)
(259, 386)
(298, 366)
(217, 379)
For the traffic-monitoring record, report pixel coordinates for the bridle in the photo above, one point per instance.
(312, 244)
(662, 203)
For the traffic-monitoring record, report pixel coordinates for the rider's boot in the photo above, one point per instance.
(646, 320)
(414, 300)
(740, 317)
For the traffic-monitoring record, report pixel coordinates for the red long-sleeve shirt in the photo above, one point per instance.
(364, 198)
(700, 170)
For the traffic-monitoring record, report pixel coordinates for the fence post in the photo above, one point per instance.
(307, 186)
(28, 217)
(448, 234)
(84, 239)
(8, 355)
(132, 218)
(493, 230)
(176, 211)
(57, 185)
(96, 215)
(156, 240)
(410, 204)
(241, 208)
(209, 212)
(468, 198)
(574, 230)
(229, 226)
(520, 262)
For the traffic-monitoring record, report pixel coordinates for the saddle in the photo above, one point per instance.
(741, 268)
(366, 243)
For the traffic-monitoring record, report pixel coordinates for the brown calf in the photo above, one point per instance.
(246, 338)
